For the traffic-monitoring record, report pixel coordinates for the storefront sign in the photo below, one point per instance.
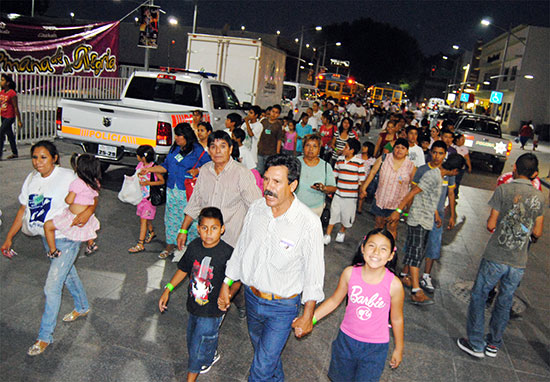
(84, 49)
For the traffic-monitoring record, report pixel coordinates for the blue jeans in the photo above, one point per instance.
(353, 360)
(269, 324)
(202, 340)
(260, 165)
(62, 271)
(488, 275)
(433, 246)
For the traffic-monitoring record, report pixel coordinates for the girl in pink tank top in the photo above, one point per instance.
(374, 294)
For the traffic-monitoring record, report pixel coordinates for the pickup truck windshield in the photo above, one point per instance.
(163, 90)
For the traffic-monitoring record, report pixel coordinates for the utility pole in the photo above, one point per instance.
(299, 55)
(195, 12)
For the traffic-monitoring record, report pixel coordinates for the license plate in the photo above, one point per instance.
(106, 151)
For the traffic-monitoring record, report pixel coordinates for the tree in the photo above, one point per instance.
(378, 52)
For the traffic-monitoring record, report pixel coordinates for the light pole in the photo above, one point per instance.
(325, 52)
(302, 30)
(485, 23)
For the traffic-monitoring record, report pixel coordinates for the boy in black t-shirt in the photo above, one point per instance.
(204, 261)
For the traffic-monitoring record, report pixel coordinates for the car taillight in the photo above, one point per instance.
(509, 148)
(58, 118)
(164, 134)
(296, 111)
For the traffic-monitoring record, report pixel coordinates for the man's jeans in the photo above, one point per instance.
(62, 271)
(260, 165)
(489, 274)
(269, 324)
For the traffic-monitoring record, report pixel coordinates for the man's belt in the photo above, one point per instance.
(269, 296)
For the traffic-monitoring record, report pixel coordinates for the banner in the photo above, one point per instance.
(149, 27)
(76, 49)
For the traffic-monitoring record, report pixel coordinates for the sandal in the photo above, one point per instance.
(165, 254)
(53, 254)
(137, 248)
(150, 236)
(37, 348)
(90, 249)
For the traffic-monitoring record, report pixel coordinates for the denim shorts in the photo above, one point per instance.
(202, 340)
(377, 211)
(354, 360)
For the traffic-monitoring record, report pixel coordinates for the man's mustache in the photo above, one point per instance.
(270, 193)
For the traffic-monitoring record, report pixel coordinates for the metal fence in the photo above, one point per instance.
(39, 94)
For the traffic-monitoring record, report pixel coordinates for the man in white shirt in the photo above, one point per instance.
(313, 122)
(279, 259)
(357, 113)
(245, 156)
(416, 154)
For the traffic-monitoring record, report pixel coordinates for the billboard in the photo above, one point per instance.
(88, 50)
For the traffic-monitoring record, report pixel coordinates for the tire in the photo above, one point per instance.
(497, 166)
(104, 167)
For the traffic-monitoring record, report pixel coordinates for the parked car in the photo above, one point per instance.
(152, 103)
(484, 140)
(297, 98)
(443, 113)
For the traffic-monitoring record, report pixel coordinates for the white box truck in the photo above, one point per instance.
(253, 69)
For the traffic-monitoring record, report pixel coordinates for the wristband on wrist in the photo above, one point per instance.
(314, 321)
(228, 281)
(399, 210)
(405, 214)
(184, 231)
(170, 287)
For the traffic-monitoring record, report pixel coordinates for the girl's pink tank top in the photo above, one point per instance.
(368, 309)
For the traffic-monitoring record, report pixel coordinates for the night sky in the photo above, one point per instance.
(437, 25)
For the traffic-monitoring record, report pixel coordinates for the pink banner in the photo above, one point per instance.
(90, 50)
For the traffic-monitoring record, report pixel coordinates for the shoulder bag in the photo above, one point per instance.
(157, 194)
(190, 182)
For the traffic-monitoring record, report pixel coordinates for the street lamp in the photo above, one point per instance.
(278, 33)
(456, 47)
(317, 28)
(243, 27)
(172, 21)
(486, 22)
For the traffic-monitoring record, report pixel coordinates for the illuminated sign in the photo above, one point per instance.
(496, 97)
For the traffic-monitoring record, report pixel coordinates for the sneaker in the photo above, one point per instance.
(491, 351)
(326, 239)
(465, 346)
(407, 281)
(206, 368)
(426, 283)
(340, 236)
(419, 298)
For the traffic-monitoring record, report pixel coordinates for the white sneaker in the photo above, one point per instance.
(340, 236)
(426, 283)
(326, 239)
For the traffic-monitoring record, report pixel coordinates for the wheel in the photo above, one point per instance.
(104, 167)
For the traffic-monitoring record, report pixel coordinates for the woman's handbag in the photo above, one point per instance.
(157, 194)
(131, 190)
(190, 182)
(325, 215)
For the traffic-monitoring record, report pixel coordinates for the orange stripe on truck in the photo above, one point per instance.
(106, 136)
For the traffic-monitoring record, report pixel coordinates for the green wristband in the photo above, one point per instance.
(399, 210)
(405, 214)
(314, 321)
(184, 231)
(170, 287)
(228, 281)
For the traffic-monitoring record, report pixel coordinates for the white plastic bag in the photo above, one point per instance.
(131, 190)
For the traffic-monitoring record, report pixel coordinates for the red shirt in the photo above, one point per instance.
(7, 109)
(326, 134)
(507, 177)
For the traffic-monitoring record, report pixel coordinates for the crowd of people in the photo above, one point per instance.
(267, 254)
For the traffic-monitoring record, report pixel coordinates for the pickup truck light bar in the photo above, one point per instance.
(508, 149)
(182, 70)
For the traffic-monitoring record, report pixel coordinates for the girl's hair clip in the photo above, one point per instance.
(395, 249)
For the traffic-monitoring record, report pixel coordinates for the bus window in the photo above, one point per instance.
(377, 93)
(346, 89)
(322, 85)
(388, 93)
(333, 87)
(397, 96)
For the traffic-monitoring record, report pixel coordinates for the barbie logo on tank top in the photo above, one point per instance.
(366, 303)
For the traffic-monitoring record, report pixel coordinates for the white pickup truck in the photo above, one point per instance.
(152, 104)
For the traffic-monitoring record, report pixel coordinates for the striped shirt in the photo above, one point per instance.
(393, 185)
(282, 255)
(349, 176)
(232, 191)
(341, 143)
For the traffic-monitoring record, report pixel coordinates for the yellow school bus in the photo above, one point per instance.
(381, 92)
(337, 86)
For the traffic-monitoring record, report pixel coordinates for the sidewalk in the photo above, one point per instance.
(124, 338)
